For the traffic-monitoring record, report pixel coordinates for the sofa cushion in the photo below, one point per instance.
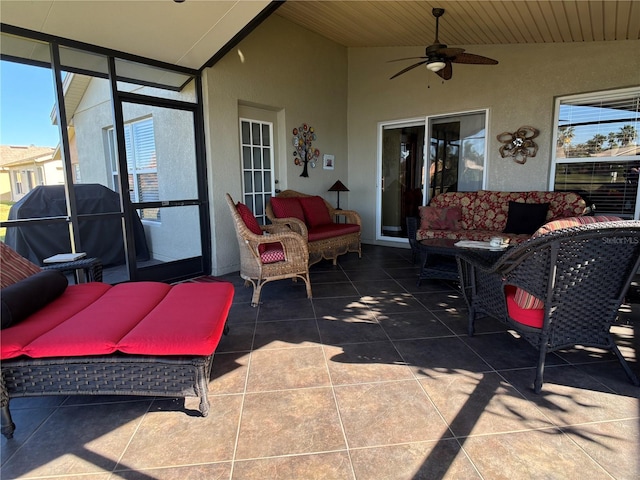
(271, 252)
(287, 208)
(561, 204)
(525, 218)
(492, 209)
(465, 200)
(14, 267)
(30, 295)
(440, 218)
(332, 230)
(249, 218)
(315, 211)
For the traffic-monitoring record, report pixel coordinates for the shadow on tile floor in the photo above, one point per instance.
(374, 378)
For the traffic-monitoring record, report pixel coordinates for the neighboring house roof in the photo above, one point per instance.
(14, 155)
(74, 87)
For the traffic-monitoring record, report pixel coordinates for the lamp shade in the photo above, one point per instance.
(338, 187)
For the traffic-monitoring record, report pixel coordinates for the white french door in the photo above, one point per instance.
(257, 157)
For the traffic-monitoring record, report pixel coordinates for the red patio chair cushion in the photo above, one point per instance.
(532, 317)
(249, 218)
(271, 253)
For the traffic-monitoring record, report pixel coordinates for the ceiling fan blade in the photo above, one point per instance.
(448, 52)
(475, 59)
(410, 67)
(407, 58)
(446, 72)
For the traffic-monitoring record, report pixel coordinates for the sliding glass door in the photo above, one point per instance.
(420, 158)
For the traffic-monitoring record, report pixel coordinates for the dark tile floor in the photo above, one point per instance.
(374, 378)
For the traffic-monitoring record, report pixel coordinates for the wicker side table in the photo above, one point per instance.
(84, 270)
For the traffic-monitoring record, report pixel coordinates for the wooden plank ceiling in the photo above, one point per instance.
(410, 23)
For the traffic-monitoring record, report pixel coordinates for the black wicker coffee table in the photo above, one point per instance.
(438, 258)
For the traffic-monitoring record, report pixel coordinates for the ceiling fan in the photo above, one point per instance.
(438, 57)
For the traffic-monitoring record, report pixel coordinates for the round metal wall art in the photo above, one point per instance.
(519, 145)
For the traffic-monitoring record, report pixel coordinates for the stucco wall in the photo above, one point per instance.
(301, 76)
(345, 93)
(519, 91)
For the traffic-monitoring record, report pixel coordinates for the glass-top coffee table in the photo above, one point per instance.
(438, 258)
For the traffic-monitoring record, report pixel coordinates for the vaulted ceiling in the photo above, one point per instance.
(192, 32)
(410, 23)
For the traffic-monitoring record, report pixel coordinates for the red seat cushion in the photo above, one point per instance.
(142, 318)
(271, 253)
(532, 317)
(98, 328)
(332, 230)
(249, 218)
(315, 211)
(287, 208)
(188, 321)
(74, 299)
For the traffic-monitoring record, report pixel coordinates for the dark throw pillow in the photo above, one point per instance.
(30, 295)
(525, 218)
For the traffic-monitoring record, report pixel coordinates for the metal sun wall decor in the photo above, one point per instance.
(519, 144)
(304, 153)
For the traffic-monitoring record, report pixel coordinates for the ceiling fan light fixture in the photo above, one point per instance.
(436, 66)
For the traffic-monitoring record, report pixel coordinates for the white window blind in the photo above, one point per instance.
(140, 146)
(597, 150)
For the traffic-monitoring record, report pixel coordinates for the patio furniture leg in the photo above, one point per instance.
(632, 376)
(537, 384)
(7, 425)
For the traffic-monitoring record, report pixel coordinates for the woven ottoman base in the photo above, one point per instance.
(116, 374)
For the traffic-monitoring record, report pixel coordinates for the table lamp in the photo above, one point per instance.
(338, 187)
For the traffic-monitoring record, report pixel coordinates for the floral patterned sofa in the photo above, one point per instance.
(485, 214)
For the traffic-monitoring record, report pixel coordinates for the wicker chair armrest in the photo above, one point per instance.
(275, 228)
(291, 242)
(351, 216)
(294, 224)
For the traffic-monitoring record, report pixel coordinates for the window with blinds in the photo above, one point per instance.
(142, 167)
(597, 152)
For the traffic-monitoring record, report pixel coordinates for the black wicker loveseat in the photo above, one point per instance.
(138, 338)
(560, 289)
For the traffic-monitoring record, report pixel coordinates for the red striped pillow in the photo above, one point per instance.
(14, 267)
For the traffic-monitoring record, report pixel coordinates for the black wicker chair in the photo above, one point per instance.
(581, 274)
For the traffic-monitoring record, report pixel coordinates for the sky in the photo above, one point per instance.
(26, 101)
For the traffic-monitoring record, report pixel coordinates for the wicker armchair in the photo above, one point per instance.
(579, 274)
(255, 268)
(329, 247)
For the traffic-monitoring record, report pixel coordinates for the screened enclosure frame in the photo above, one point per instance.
(139, 71)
